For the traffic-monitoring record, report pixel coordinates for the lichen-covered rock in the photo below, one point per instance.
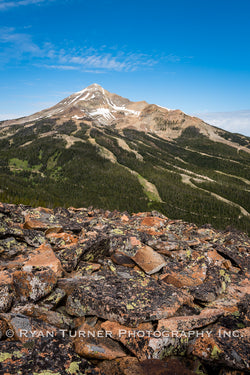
(122, 259)
(39, 219)
(9, 248)
(90, 248)
(244, 309)
(54, 356)
(6, 297)
(235, 247)
(33, 238)
(135, 339)
(97, 347)
(226, 347)
(60, 240)
(190, 322)
(149, 260)
(54, 298)
(215, 283)
(53, 318)
(44, 256)
(182, 275)
(125, 296)
(26, 329)
(33, 285)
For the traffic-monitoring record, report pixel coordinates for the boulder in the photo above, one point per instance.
(44, 256)
(225, 347)
(34, 284)
(189, 323)
(149, 260)
(125, 296)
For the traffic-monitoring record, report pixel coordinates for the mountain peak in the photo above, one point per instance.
(92, 87)
(100, 105)
(95, 86)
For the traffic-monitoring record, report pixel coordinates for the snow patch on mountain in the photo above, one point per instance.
(168, 109)
(122, 108)
(104, 112)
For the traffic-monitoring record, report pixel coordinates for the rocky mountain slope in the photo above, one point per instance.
(97, 148)
(109, 293)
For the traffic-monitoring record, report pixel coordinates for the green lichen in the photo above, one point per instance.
(117, 231)
(88, 268)
(225, 276)
(167, 352)
(223, 286)
(184, 340)
(215, 352)
(200, 257)
(4, 356)
(89, 257)
(73, 368)
(112, 268)
(222, 272)
(199, 371)
(130, 306)
(17, 354)
(236, 313)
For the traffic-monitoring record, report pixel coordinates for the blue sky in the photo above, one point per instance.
(188, 54)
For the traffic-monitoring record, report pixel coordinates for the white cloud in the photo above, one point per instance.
(5, 5)
(235, 121)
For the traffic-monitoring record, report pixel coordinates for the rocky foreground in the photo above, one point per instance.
(97, 292)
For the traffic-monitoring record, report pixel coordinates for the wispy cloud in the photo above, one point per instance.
(172, 58)
(18, 46)
(20, 42)
(120, 61)
(58, 67)
(5, 5)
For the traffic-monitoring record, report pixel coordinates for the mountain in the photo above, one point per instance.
(101, 107)
(97, 148)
